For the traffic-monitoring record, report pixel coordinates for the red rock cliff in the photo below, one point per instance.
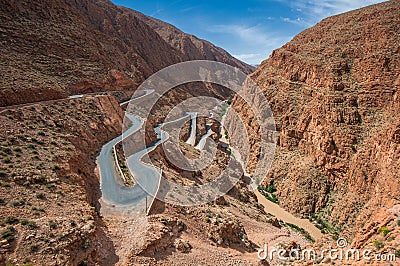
(335, 94)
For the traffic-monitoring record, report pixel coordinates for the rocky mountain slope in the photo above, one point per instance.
(335, 94)
(48, 188)
(49, 184)
(51, 49)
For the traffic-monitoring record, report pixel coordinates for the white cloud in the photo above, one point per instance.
(245, 57)
(187, 9)
(315, 10)
(257, 41)
(298, 21)
(253, 34)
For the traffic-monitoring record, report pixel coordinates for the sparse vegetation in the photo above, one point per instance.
(384, 230)
(6, 160)
(323, 226)
(9, 233)
(268, 193)
(38, 209)
(29, 224)
(52, 224)
(18, 202)
(17, 149)
(378, 244)
(40, 195)
(397, 253)
(31, 146)
(11, 220)
(7, 150)
(180, 223)
(302, 231)
(22, 137)
(50, 185)
(86, 243)
(34, 248)
(4, 184)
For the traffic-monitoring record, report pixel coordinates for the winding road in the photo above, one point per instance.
(132, 199)
(114, 192)
(203, 139)
(193, 128)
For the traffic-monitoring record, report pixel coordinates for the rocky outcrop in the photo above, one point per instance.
(334, 91)
(60, 48)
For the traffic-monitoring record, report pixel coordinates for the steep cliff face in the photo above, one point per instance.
(51, 49)
(335, 94)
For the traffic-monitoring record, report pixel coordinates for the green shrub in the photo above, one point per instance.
(22, 137)
(398, 222)
(4, 184)
(271, 188)
(34, 248)
(384, 230)
(40, 195)
(180, 223)
(302, 231)
(52, 224)
(9, 262)
(7, 150)
(265, 191)
(8, 234)
(378, 244)
(18, 202)
(31, 147)
(11, 220)
(39, 209)
(86, 243)
(50, 185)
(7, 160)
(29, 224)
(17, 149)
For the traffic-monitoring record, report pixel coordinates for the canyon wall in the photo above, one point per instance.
(51, 49)
(335, 95)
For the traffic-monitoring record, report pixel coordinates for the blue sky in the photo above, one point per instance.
(247, 29)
